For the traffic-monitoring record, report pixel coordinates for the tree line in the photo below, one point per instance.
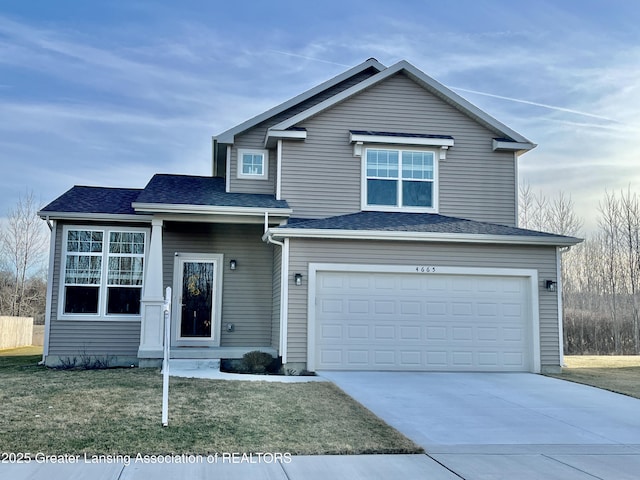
(23, 255)
(600, 276)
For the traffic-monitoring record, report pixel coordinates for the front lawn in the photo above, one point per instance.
(619, 374)
(118, 411)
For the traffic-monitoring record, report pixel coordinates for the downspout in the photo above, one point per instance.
(53, 226)
(284, 293)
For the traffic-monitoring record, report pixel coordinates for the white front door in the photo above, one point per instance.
(197, 299)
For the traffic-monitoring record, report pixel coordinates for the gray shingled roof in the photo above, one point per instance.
(412, 222)
(82, 199)
(192, 190)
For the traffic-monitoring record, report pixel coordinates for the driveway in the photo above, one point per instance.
(501, 425)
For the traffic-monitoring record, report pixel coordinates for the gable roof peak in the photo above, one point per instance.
(228, 135)
(426, 82)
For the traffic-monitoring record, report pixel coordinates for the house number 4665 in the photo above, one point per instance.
(422, 269)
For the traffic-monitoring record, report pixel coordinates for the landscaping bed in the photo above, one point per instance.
(118, 411)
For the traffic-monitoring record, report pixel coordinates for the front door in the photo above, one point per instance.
(197, 303)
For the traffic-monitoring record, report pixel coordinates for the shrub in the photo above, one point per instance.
(256, 361)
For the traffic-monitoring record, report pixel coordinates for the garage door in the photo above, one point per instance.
(403, 321)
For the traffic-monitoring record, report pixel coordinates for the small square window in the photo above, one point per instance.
(253, 164)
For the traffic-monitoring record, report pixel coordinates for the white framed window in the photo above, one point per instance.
(102, 271)
(253, 164)
(398, 179)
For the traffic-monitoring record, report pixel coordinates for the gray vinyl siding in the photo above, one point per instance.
(254, 139)
(305, 251)
(321, 177)
(275, 314)
(247, 294)
(88, 337)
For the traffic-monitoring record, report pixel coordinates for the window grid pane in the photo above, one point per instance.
(417, 165)
(252, 164)
(84, 241)
(382, 163)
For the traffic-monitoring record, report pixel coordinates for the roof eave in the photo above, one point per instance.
(111, 217)
(283, 232)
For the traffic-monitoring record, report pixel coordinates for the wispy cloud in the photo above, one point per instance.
(536, 104)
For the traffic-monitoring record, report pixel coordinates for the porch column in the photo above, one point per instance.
(151, 329)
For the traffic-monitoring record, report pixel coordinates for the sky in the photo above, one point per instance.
(108, 93)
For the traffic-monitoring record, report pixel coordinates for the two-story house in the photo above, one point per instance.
(368, 223)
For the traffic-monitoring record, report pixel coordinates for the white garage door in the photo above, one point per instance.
(401, 321)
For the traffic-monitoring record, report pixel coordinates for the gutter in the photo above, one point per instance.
(210, 209)
(109, 217)
(419, 236)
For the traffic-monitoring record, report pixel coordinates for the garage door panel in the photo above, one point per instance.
(421, 322)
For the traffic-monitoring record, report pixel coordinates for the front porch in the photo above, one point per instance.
(222, 277)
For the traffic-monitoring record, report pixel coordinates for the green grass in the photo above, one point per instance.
(118, 411)
(620, 374)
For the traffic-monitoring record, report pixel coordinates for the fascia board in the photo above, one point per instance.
(419, 236)
(212, 209)
(111, 217)
(228, 136)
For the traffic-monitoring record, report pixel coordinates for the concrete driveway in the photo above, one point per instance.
(506, 425)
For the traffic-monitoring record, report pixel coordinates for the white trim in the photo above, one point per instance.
(103, 286)
(516, 193)
(210, 209)
(560, 304)
(284, 301)
(391, 208)
(49, 298)
(401, 140)
(283, 232)
(227, 174)
(503, 146)
(279, 170)
(228, 136)
(426, 82)
(276, 135)
(100, 217)
(252, 176)
(217, 259)
(531, 274)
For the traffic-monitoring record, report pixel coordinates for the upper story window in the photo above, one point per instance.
(253, 164)
(103, 271)
(400, 179)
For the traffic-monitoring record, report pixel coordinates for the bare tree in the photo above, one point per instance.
(630, 238)
(23, 250)
(609, 223)
(561, 218)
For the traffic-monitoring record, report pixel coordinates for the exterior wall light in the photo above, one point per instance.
(551, 285)
(298, 278)
(233, 265)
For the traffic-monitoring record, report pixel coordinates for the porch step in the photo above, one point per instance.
(191, 364)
